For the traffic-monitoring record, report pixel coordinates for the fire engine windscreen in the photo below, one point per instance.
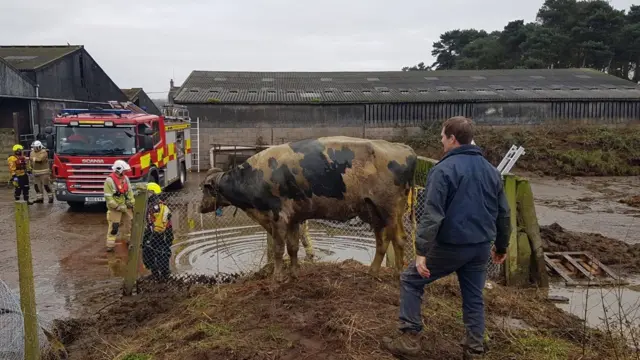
(95, 141)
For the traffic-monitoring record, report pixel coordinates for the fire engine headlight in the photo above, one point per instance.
(61, 185)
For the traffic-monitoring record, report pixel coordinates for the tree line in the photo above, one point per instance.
(566, 34)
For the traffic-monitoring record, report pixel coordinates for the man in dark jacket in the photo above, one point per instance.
(464, 212)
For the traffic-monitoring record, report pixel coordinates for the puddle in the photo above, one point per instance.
(605, 307)
(243, 248)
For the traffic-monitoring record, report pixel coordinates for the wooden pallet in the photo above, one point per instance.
(579, 268)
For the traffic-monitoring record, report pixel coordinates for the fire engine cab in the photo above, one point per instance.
(86, 143)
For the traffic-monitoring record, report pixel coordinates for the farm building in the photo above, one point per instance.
(38, 81)
(272, 107)
(141, 99)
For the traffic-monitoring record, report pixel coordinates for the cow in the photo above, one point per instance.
(332, 178)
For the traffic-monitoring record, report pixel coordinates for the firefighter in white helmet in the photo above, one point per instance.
(39, 161)
(119, 198)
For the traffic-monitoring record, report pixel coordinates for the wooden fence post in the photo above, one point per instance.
(27, 288)
(528, 221)
(135, 242)
(511, 263)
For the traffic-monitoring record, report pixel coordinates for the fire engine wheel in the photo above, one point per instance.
(182, 177)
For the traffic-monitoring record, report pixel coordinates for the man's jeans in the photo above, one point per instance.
(470, 263)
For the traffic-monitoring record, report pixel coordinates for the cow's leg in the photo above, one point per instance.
(293, 241)
(279, 234)
(377, 219)
(382, 243)
(396, 235)
(305, 239)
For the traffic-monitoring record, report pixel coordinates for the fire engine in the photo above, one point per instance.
(86, 143)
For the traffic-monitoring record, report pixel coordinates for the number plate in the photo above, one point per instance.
(94, 199)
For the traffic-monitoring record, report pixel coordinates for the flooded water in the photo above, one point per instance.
(243, 248)
(613, 308)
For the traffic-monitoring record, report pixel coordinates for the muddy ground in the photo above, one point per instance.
(334, 311)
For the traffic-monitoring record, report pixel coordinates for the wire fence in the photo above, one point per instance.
(222, 246)
(12, 334)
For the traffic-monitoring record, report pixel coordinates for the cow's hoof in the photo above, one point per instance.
(293, 275)
(279, 278)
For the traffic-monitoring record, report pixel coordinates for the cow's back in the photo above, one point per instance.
(336, 167)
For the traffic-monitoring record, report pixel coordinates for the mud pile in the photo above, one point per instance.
(552, 150)
(333, 311)
(611, 252)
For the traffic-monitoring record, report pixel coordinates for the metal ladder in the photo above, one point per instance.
(195, 140)
(510, 159)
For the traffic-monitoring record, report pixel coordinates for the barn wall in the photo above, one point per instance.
(78, 77)
(12, 83)
(275, 124)
(144, 101)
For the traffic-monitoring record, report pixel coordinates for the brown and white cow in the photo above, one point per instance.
(333, 178)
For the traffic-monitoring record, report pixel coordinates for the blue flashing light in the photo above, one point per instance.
(94, 111)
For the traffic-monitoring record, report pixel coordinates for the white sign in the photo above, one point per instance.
(92, 199)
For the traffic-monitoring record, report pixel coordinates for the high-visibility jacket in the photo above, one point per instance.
(39, 161)
(117, 191)
(159, 217)
(18, 165)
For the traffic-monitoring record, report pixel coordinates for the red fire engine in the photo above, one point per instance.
(86, 143)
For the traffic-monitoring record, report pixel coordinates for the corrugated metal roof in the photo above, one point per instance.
(24, 57)
(403, 86)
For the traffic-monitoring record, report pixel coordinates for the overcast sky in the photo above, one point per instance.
(144, 43)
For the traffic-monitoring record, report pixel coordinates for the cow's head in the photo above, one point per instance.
(212, 199)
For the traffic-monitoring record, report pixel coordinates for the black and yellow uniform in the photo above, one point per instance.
(157, 239)
(19, 170)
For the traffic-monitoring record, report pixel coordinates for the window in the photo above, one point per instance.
(156, 132)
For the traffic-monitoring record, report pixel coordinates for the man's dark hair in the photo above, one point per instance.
(460, 127)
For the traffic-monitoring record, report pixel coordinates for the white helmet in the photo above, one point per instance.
(120, 166)
(37, 145)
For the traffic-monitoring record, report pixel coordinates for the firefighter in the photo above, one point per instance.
(19, 171)
(158, 235)
(39, 163)
(118, 195)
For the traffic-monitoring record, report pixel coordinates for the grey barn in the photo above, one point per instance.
(242, 108)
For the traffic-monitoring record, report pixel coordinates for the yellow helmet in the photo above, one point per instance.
(153, 187)
(17, 147)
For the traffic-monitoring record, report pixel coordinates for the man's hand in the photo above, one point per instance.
(122, 207)
(497, 258)
(421, 266)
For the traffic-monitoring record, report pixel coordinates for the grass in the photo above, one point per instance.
(552, 150)
(334, 310)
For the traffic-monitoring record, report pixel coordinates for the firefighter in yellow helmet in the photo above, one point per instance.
(19, 170)
(118, 195)
(158, 235)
